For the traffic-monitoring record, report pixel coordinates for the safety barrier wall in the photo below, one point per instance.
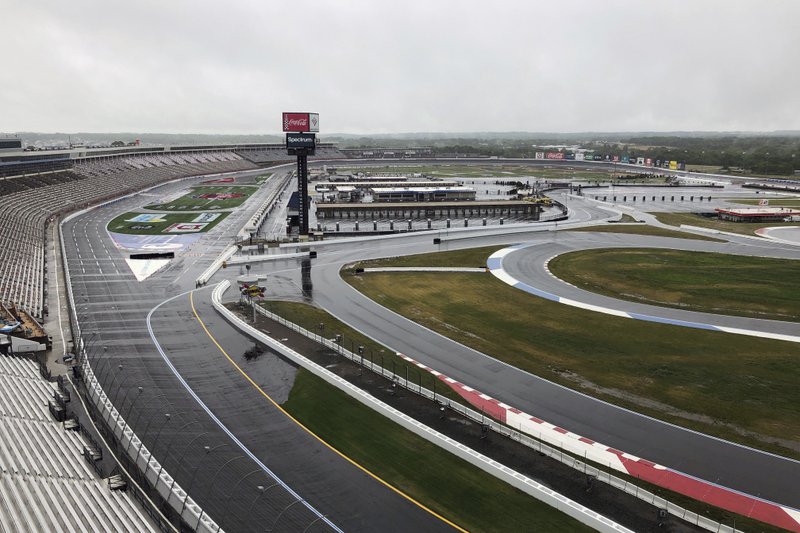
(556, 453)
(161, 481)
(516, 479)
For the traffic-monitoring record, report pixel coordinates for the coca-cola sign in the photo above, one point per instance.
(301, 122)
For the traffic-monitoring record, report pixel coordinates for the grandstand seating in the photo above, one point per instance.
(27, 203)
(45, 482)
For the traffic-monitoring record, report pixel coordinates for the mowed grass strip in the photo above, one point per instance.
(123, 224)
(742, 228)
(191, 201)
(645, 230)
(752, 287)
(449, 486)
(735, 387)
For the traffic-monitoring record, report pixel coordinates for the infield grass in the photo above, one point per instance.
(735, 387)
(446, 484)
(123, 223)
(192, 200)
(752, 287)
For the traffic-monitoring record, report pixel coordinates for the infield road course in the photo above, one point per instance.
(734, 466)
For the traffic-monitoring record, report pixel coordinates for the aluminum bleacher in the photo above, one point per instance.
(27, 203)
(45, 482)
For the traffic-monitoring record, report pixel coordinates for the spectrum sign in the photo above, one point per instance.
(301, 122)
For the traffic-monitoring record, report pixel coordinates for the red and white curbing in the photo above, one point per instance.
(698, 489)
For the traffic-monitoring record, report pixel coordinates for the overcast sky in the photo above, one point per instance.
(401, 66)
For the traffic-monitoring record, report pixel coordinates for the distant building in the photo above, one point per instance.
(758, 214)
(422, 194)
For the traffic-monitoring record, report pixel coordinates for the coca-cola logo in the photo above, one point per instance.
(297, 122)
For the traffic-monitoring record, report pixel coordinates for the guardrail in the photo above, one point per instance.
(553, 452)
(515, 479)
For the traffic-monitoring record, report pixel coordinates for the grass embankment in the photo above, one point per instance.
(319, 321)
(644, 229)
(742, 228)
(160, 223)
(735, 387)
(698, 281)
(208, 197)
(449, 486)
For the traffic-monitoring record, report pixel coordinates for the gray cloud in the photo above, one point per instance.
(212, 67)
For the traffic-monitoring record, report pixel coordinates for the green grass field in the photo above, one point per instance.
(446, 484)
(738, 388)
(691, 219)
(773, 202)
(192, 200)
(698, 281)
(128, 223)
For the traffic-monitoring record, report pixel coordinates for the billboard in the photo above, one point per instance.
(579, 156)
(625, 159)
(648, 162)
(673, 165)
(301, 140)
(555, 155)
(539, 155)
(640, 161)
(300, 122)
(615, 159)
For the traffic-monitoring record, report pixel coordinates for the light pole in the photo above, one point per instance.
(228, 499)
(208, 451)
(180, 459)
(169, 447)
(275, 523)
(140, 389)
(167, 416)
(216, 476)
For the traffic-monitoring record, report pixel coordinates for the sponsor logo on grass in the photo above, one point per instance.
(155, 217)
(141, 226)
(218, 195)
(206, 217)
(185, 227)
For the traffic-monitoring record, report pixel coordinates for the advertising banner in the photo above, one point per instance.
(640, 161)
(673, 165)
(539, 155)
(206, 217)
(301, 122)
(185, 227)
(300, 140)
(648, 162)
(625, 159)
(155, 217)
(555, 155)
(580, 156)
(615, 159)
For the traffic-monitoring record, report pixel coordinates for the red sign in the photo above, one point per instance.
(555, 155)
(300, 122)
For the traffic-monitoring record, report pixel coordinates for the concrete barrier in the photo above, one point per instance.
(516, 479)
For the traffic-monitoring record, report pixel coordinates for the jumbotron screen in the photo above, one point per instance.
(9, 144)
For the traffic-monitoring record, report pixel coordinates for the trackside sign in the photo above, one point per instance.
(300, 140)
(301, 122)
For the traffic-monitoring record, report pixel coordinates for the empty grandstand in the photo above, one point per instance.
(31, 198)
(47, 478)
